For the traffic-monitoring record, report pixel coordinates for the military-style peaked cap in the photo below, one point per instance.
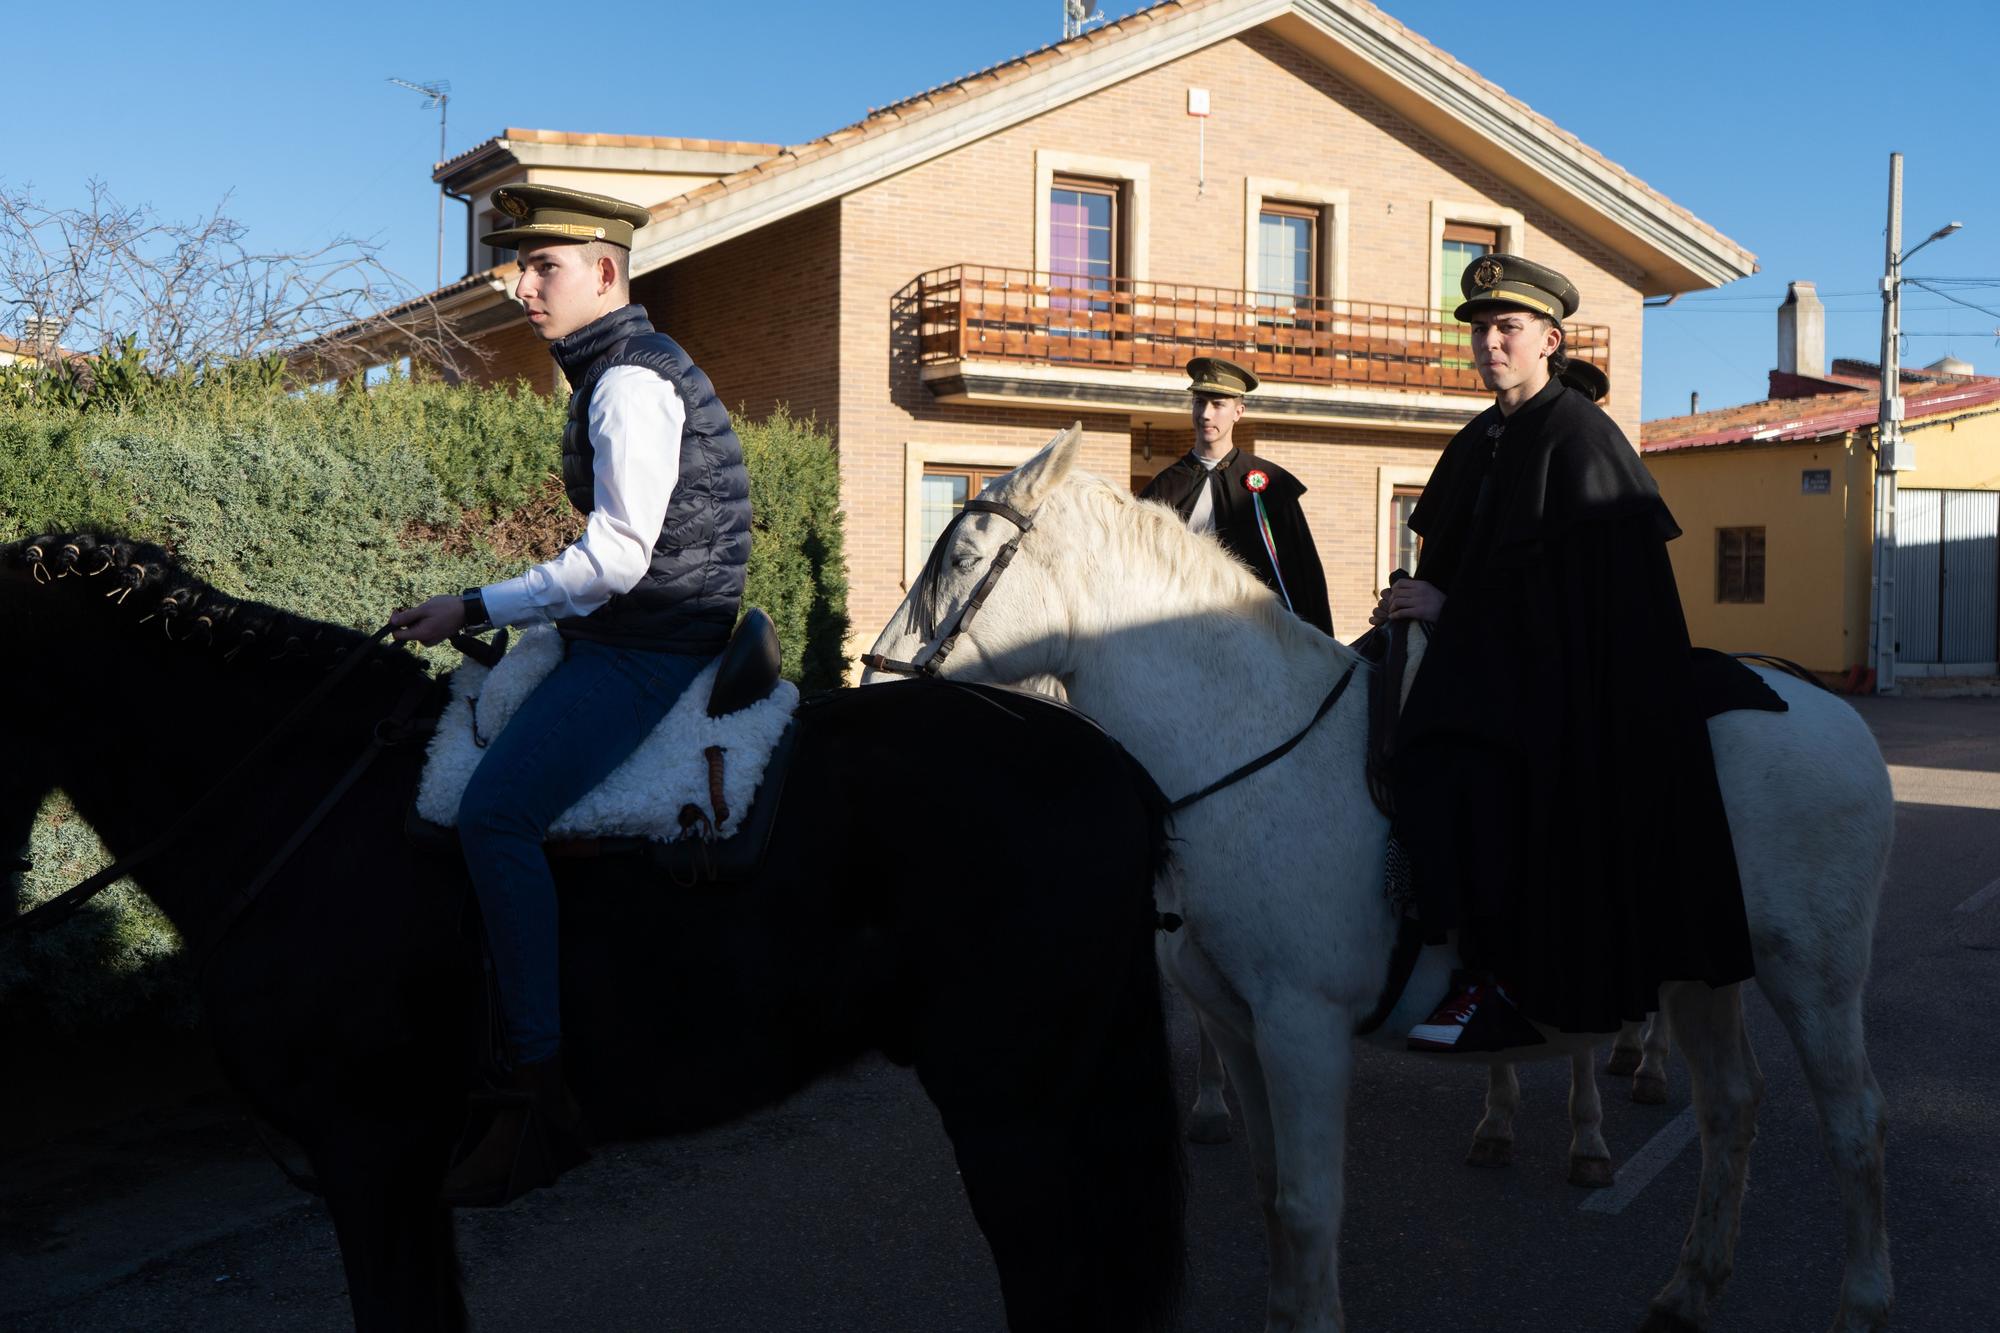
(1511, 282)
(1213, 375)
(552, 213)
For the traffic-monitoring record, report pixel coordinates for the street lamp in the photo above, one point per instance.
(1891, 453)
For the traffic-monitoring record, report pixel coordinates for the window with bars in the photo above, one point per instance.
(1739, 564)
(1404, 542)
(944, 491)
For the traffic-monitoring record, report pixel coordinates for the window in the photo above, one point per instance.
(1288, 251)
(494, 255)
(1463, 243)
(942, 492)
(1408, 545)
(1739, 564)
(1083, 245)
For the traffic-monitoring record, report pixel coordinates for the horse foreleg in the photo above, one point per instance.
(1649, 1080)
(397, 1246)
(1493, 1141)
(1208, 1121)
(1853, 1122)
(1625, 1049)
(1589, 1156)
(1307, 1059)
(1708, 1023)
(1253, 1111)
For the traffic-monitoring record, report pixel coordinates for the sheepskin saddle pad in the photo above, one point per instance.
(645, 797)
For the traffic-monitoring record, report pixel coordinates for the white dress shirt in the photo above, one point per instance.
(635, 433)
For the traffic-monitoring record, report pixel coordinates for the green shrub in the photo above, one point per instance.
(343, 507)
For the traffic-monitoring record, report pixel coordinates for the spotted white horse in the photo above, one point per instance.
(1279, 882)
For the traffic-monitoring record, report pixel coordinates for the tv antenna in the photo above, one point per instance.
(437, 92)
(1078, 15)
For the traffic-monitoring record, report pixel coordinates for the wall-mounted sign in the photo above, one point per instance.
(1816, 481)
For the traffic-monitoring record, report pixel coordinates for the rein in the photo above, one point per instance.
(65, 905)
(1270, 757)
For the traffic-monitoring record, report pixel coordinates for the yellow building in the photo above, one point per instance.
(1776, 503)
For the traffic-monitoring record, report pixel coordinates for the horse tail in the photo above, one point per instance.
(1129, 1165)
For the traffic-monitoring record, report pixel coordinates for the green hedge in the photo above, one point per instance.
(342, 507)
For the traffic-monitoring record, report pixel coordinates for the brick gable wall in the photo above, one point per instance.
(1277, 114)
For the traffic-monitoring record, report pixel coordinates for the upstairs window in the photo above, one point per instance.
(1288, 249)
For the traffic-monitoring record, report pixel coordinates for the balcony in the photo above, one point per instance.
(994, 334)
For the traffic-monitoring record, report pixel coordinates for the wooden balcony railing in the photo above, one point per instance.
(972, 312)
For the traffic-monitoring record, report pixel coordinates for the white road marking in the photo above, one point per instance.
(1968, 789)
(1648, 1162)
(1981, 898)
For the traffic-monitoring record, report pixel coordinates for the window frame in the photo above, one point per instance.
(1389, 480)
(920, 458)
(1742, 593)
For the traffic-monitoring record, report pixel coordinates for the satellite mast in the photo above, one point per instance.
(1078, 15)
(437, 92)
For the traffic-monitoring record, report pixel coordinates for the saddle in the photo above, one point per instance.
(746, 674)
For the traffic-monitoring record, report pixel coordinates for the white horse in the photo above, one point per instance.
(1183, 655)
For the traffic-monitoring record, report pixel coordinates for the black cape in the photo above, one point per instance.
(1553, 780)
(1303, 581)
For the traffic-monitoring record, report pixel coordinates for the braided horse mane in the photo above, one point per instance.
(144, 588)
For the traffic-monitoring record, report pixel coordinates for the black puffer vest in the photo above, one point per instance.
(688, 599)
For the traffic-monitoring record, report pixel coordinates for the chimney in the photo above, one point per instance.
(1694, 402)
(1802, 332)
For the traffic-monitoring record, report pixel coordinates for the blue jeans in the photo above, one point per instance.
(584, 720)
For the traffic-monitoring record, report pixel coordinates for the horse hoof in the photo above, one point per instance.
(1649, 1089)
(1491, 1152)
(1622, 1062)
(1208, 1127)
(1666, 1321)
(1591, 1173)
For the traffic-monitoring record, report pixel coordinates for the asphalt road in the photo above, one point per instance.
(841, 1209)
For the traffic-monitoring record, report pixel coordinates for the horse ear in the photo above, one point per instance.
(1034, 479)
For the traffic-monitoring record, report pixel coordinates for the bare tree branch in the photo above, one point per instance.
(197, 294)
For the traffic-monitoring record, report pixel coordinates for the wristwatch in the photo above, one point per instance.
(474, 602)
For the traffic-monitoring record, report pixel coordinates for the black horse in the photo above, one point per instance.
(963, 886)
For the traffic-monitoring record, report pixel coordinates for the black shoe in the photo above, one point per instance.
(1478, 1015)
(535, 1134)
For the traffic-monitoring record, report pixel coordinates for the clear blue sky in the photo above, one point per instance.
(1771, 121)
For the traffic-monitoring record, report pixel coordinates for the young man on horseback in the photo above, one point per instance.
(1250, 504)
(1553, 784)
(644, 599)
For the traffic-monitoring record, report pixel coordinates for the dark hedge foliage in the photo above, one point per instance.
(344, 507)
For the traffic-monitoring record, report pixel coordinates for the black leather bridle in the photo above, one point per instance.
(926, 589)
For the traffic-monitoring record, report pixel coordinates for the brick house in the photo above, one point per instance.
(955, 277)
(1777, 500)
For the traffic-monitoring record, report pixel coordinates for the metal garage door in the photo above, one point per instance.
(1948, 580)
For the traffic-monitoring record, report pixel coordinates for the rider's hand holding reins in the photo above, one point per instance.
(431, 622)
(1409, 599)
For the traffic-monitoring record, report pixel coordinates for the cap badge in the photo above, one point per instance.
(1256, 481)
(1487, 273)
(512, 206)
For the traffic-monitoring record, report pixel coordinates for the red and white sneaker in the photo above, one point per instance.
(1478, 1015)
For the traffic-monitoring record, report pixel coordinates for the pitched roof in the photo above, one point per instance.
(1728, 258)
(1790, 420)
(567, 139)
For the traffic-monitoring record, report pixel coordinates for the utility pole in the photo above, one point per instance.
(1888, 443)
(1891, 454)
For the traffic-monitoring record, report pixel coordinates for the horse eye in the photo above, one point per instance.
(965, 563)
